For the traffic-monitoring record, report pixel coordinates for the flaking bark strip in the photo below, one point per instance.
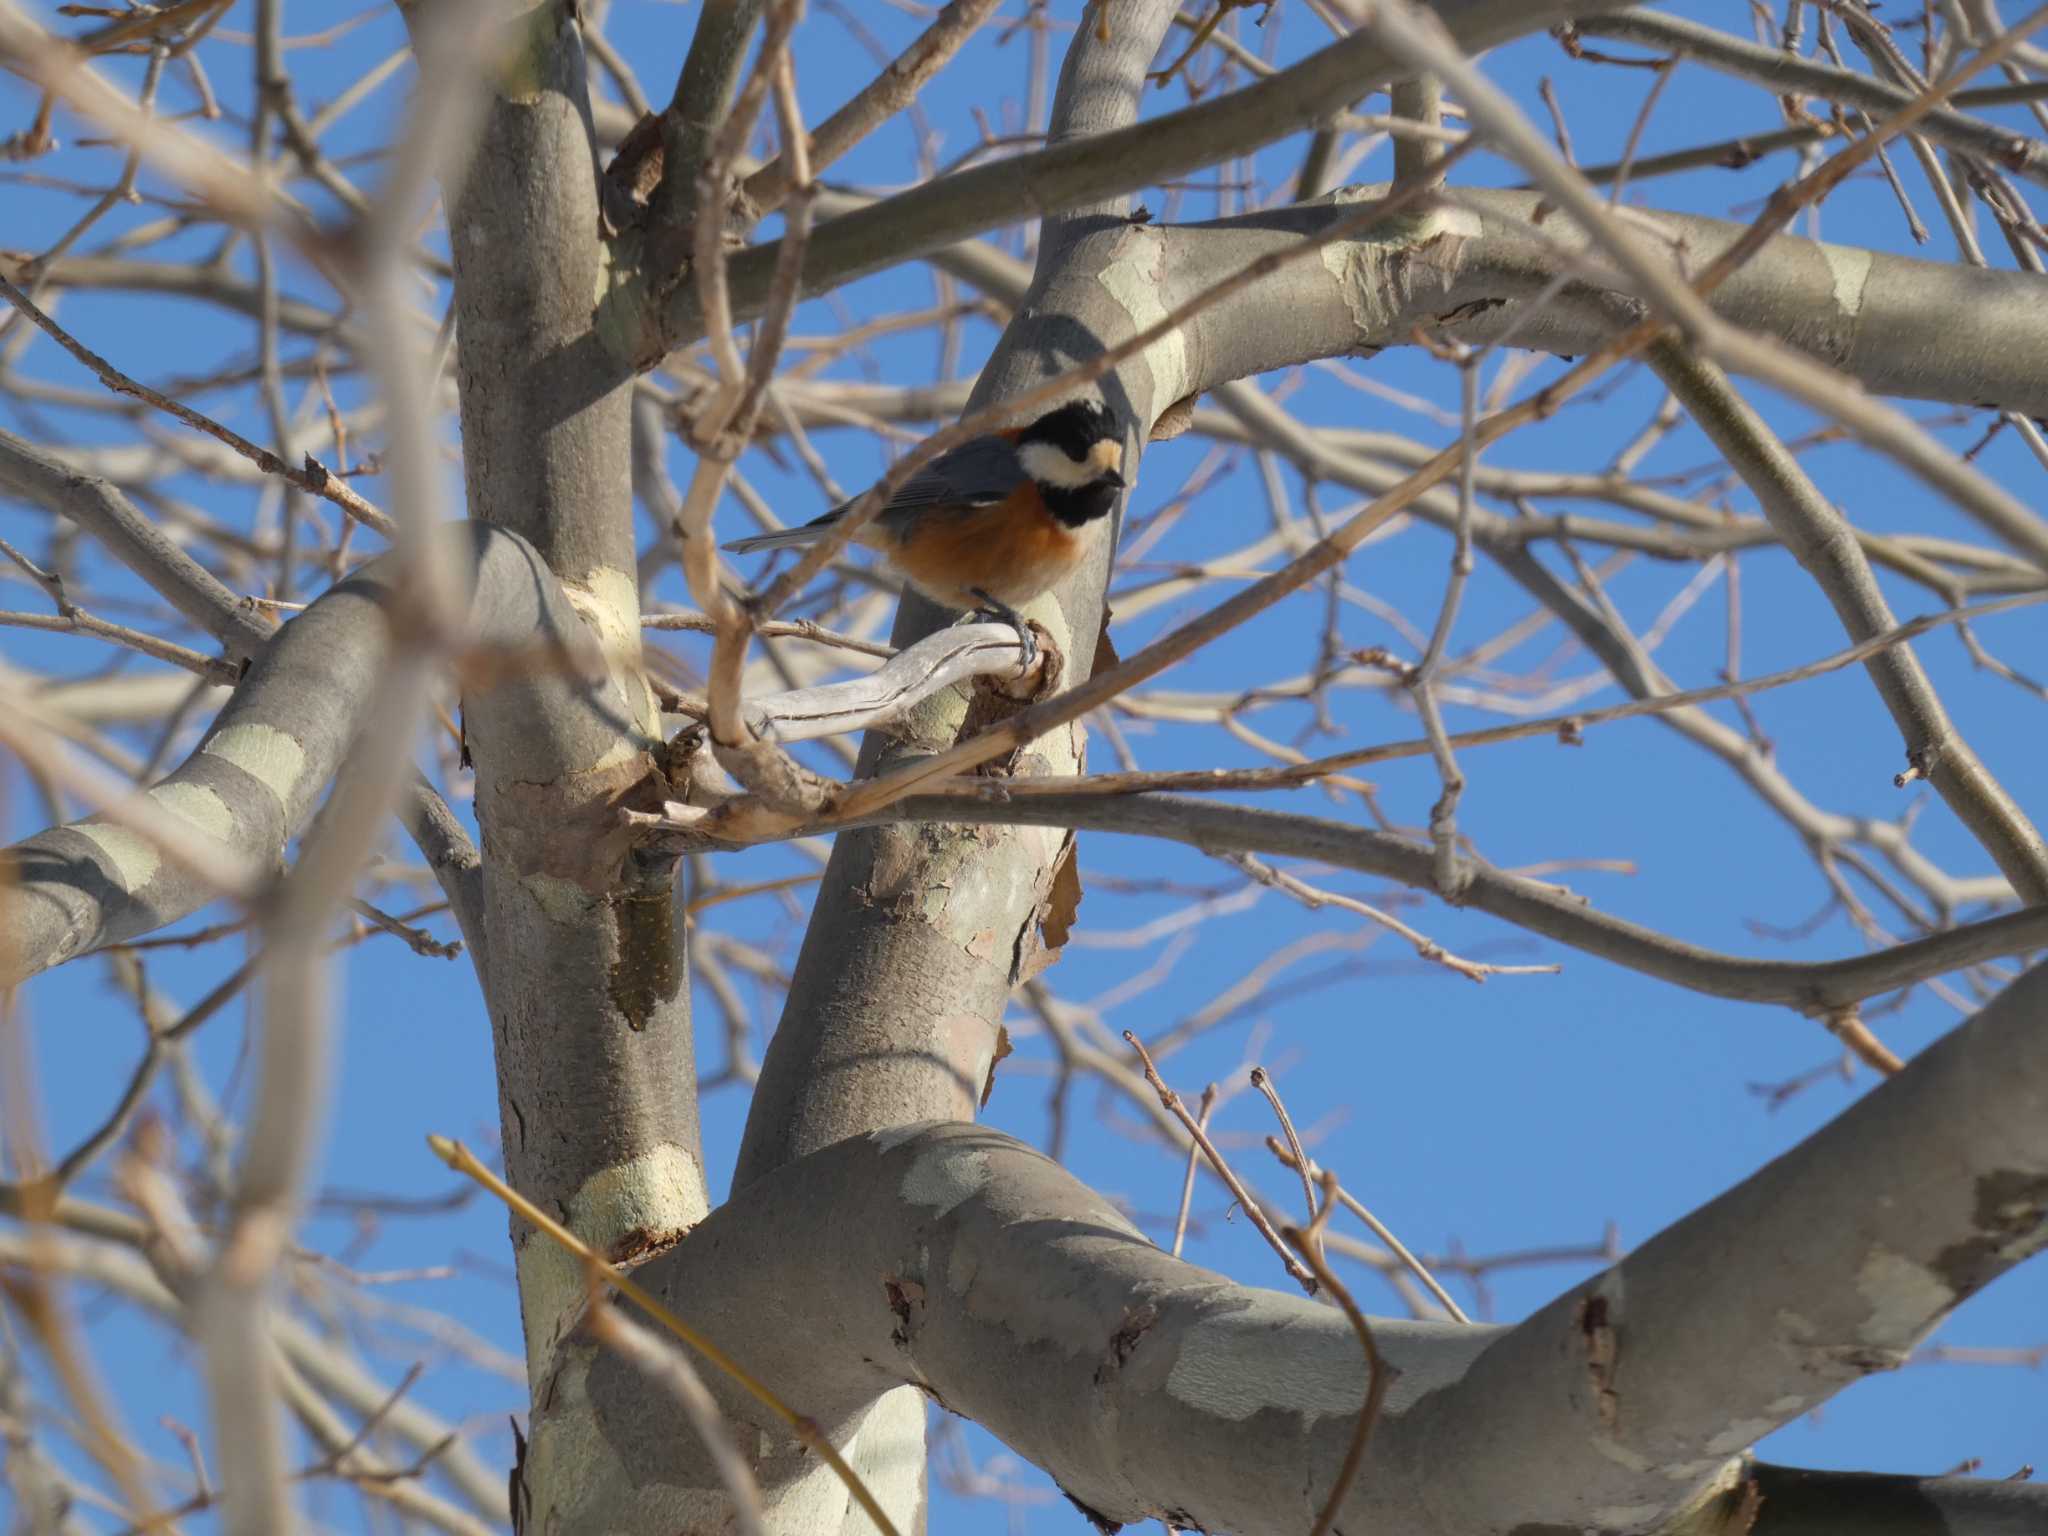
(903, 1296)
(647, 973)
(1602, 1351)
(643, 1243)
(2011, 1220)
(570, 829)
(1137, 1322)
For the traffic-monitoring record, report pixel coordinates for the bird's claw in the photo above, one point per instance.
(1027, 640)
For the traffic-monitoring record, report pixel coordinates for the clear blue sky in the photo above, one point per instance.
(1530, 1112)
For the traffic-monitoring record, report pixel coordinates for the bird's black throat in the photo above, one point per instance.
(1081, 505)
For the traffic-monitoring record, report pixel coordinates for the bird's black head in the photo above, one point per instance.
(1076, 455)
(1074, 428)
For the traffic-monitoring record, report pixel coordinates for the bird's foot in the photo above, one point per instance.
(993, 608)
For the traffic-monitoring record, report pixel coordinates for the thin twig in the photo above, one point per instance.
(1380, 1375)
(874, 104)
(722, 428)
(775, 629)
(332, 1462)
(1303, 1277)
(312, 477)
(1263, 1081)
(1566, 726)
(1293, 1158)
(1187, 1187)
(1847, 1026)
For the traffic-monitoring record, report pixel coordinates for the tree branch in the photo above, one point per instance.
(1787, 72)
(1088, 172)
(888, 693)
(1819, 538)
(100, 509)
(1013, 1295)
(1845, 1252)
(1800, 1502)
(255, 777)
(1813, 987)
(1898, 325)
(586, 976)
(847, 1056)
(696, 111)
(874, 104)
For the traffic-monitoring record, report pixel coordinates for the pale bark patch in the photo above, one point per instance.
(888, 1453)
(198, 805)
(133, 856)
(1136, 280)
(640, 1205)
(1364, 269)
(1905, 1299)
(608, 602)
(946, 1177)
(1740, 1435)
(269, 756)
(1237, 1370)
(1850, 270)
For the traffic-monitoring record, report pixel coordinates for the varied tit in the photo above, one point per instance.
(996, 521)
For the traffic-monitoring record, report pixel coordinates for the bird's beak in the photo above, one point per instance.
(1111, 478)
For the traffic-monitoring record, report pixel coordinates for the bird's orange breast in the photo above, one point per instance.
(1013, 551)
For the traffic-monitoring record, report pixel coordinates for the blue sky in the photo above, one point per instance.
(1529, 1112)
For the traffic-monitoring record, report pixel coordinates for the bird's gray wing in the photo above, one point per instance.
(978, 473)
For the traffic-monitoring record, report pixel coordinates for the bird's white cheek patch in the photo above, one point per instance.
(1048, 466)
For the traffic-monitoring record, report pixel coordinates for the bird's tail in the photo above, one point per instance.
(783, 538)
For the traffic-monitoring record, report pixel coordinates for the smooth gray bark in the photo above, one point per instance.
(264, 764)
(1829, 1263)
(1799, 1502)
(873, 1253)
(892, 1013)
(1896, 324)
(251, 784)
(587, 984)
(951, 1257)
(642, 315)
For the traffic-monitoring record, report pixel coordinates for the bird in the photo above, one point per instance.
(993, 523)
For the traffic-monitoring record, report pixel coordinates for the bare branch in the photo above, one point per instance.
(101, 510)
(1816, 533)
(1789, 73)
(891, 691)
(312, 478)
(874, 104)
(1542, 908)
